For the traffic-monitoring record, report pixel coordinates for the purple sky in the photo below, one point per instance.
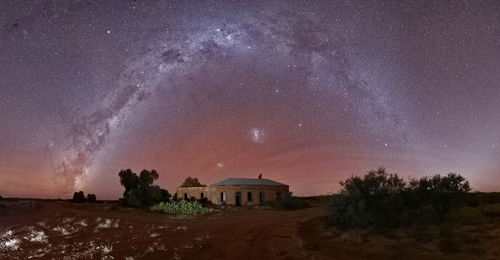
(307, 93)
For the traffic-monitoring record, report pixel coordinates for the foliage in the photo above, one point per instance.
(289, 202)
(373, 199)
(181, 207)
(192, 182)
(384, 200)
(492, 210)
(79, 197)
(442, 193)
(139, 190)
(91, 198)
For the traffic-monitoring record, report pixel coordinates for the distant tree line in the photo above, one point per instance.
(383, 200)
(79, 197)
(139, 189)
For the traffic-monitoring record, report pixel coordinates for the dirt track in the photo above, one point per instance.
(56, 228)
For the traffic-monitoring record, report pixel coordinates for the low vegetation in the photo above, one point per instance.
(182, 207)
(383, 200)
(290, 202)
(430, 215)
(139, 189)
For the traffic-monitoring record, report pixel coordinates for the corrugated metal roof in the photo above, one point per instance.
(247, 182)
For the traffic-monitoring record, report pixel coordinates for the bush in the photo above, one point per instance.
(79, 197)
(182, 207)
(383, 200)
(467, 216)
(289, 202)
(372, 200)
(492, 210)
(206, 203)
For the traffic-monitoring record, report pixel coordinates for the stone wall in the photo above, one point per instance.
(213, 193)
(194, 192)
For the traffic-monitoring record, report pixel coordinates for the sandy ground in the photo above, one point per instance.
(59, 229)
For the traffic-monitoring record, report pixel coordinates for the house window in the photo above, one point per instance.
(278, 195)
(249, 196)
(202, 195)
(223, 196)
(186, 196)
(262, 196)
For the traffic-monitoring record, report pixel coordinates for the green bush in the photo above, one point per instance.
(182, 207)
(372, 200)
(383, 200)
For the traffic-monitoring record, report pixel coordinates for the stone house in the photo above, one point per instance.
(237, 191)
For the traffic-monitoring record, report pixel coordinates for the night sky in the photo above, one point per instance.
(307, 93)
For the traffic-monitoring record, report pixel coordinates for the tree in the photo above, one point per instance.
(91, 198)
(146, 178)
(139, 190)
(192, 182)
(129, 180)
(79, 197)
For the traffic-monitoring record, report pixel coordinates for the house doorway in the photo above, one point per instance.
(238, 198)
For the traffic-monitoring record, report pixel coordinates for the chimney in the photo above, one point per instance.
(260, 176)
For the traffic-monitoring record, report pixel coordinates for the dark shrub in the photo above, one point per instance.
(384, 200)
(443, 193)
(132, 200)
(289, 202)
(372, 200)
(492, 210)
(79, 197)
(91, 198)
(206, 203)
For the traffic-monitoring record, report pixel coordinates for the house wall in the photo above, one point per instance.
(192, 192)
(214, 193)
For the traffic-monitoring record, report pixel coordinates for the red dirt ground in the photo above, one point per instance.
(57, 229)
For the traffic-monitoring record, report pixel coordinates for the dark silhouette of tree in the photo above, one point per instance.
(139, 190)
(146, 178)
(192, 182)
(79, 197)
(91, 198)
(129, 180)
